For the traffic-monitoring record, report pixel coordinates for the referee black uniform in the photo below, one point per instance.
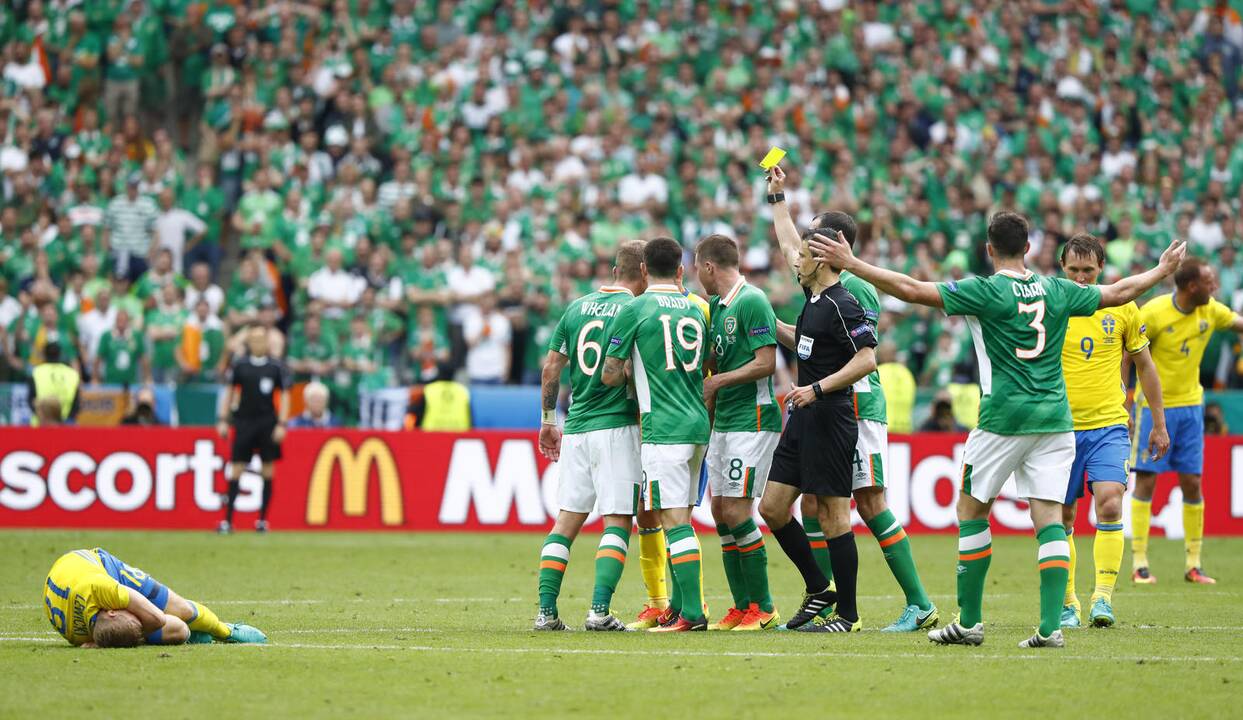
(817, 449)
(254, 421)
(818, 445)
(256, 379)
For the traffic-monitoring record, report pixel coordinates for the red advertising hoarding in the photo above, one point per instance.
(358, 480)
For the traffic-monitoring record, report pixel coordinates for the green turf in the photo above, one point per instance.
(379, 625)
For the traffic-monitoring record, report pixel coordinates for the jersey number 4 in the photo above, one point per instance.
(1037, 324)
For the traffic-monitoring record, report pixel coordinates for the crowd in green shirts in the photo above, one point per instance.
(533, 137)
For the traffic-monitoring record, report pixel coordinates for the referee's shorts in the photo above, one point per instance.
(254, 437)
(817, 449)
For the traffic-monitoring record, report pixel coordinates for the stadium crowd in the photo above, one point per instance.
(410, 190)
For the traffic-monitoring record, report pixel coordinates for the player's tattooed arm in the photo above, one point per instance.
(550, 388)
(785, 334)
(613, 373)
(550, 379)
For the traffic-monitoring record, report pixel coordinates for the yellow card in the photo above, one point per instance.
(772, 158)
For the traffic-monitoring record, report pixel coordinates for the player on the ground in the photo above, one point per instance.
(746, 424)
(653, 552)
(598, 450)
(1178, 325)
(1018, 323)
(662, 333)
(95, 600)
(872, 450)
(836, 349)
(1092, 357)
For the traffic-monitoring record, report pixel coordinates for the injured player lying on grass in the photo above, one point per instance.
(94, 600)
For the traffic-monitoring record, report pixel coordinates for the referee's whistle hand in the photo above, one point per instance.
(222, 429)
(801, 396)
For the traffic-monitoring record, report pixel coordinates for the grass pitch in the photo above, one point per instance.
(382, 625)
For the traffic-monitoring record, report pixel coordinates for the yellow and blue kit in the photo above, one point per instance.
(83, 582)
(1092, 366)
(1178, 339)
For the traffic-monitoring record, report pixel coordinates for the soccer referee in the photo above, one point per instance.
(836, 348)
(250, 408)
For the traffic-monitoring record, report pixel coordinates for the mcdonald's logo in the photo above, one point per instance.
(355, 478)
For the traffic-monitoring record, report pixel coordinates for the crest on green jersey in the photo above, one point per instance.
(731, 324)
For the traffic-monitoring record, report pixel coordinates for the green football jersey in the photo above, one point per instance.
(1018, 324)
(662, 332)
(581, 335)
(869, 395)
(121, 358)
(743, 322)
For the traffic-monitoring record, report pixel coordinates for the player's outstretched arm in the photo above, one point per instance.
(863, 363)
(837, 253)
(785, 334)
(1129, 288)
(783, 223)
(1150, 382)
(550, 388)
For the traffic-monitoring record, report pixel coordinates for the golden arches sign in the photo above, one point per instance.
(355, 479)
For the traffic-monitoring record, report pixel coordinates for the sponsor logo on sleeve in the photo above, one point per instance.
(614, 341)
(761, 330)
(952, 286)
(860, 330)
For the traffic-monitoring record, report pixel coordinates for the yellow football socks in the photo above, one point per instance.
(1070, 598)
(652, 564)
(1141, 518)
(1193, 531)
(206, 621)
(1107, 554)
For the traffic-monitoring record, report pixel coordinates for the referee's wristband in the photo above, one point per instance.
(775, 198)
(815, 387)
(548, 417)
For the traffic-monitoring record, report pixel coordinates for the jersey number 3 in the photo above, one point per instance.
(1036, 324)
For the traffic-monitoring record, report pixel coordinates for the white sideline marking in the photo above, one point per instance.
(32, 639)
(722, 653)
(574, 597)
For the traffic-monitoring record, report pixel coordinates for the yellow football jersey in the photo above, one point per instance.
(77, 588)
(702, 305)
(1092, 364)
(1178, 340)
